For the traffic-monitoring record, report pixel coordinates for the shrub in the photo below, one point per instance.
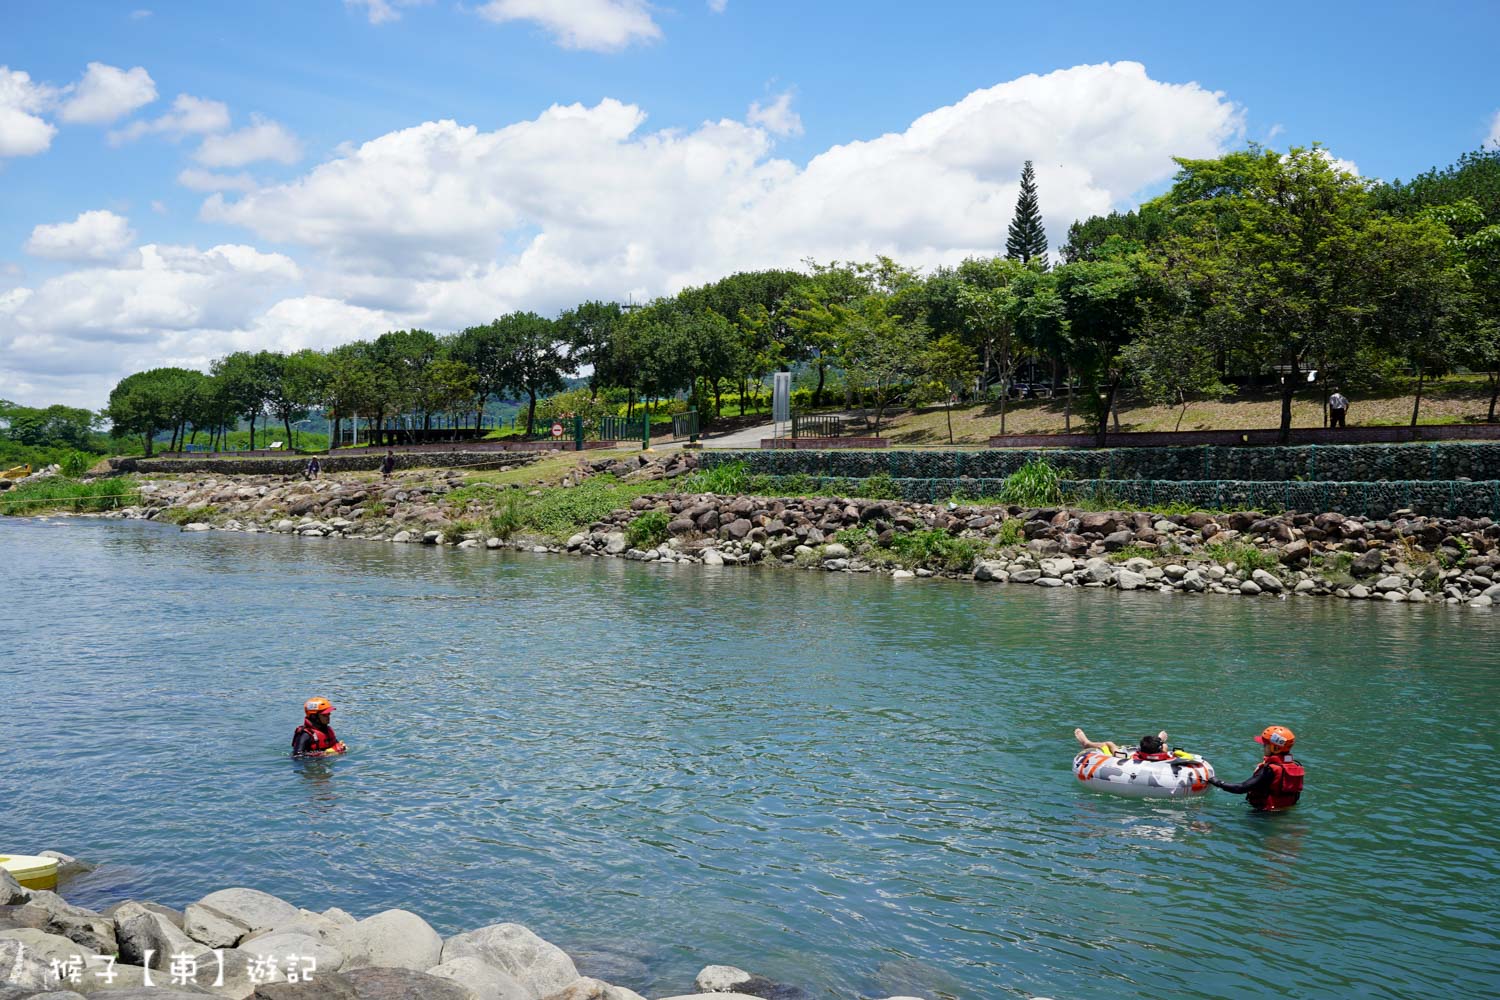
(879, 487)
(376, 509)
(1244, 555)
(187, 515)
(1010, 532)
(509, 519)
(559, 512)
(648, 530)
(936, 549)
(853, 539)
(1133, 552)
(1035, 484)
(726, 480)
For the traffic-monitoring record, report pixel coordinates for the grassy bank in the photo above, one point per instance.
(70, 496)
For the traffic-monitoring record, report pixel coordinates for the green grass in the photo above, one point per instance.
(728, 479)
(1133, 552)
(72, 496)
(188, 515)
(508, 519)
(935, 549)
(1244, 555)
(560, 511)
(648, 530)
(1011, 532)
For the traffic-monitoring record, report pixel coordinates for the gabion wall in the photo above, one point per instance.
(1317, 463)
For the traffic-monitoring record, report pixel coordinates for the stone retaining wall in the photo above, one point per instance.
(1317, 463)
(293, 465)
(1298, 435)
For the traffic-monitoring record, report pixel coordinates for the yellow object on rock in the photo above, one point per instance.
(32, 872)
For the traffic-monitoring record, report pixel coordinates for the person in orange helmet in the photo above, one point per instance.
(315, 738)
(1277, 781)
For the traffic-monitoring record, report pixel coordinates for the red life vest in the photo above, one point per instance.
(322, 739)
(1138, 756)
(1285, 787)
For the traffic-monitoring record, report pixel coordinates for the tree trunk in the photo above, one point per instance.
(531, 412)
(630, 404)
(148, 436)
(1004, 394)
(1068, 406)
(1116, 411)
(1494, 394)
(718, 402)
(950, 422)
(1101, 431)
(1288, 388)
(1416, 403)
(818, 392)
(1181, 398)
(252, 431)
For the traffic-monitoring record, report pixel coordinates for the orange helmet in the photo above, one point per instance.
(1276, 739)
(317, 706)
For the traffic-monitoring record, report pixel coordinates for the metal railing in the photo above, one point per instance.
(817, 425)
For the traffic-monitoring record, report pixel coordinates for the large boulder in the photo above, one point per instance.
(392, 939)
(279, 944)
(593, 989)
(49, 947)
(485, 981)
(251, 907)
(20, 966)
(211, 927)
(540, 966)
(90, 929)
(11, 892)
(113, 912)
(368, 984)
(150, 939)
(721, 979)
(67, 865)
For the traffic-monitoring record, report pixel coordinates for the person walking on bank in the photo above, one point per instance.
(1338, 408)
(315, 737)
(387, 464)
(1277, 781)
(313, 469)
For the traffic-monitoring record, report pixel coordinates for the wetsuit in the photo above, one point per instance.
(1275, 785)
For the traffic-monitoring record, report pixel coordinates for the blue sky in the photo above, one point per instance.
(702, 141)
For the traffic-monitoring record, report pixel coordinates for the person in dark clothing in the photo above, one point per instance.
(387, 464)
(1338, 408)
(315, 738)
(1149, 748)
(313, 469)
(1277, 781)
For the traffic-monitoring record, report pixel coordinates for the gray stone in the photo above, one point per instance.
(368, 984)
(49, 946)
(836, 550)
(394, 939)
(1099, 570)
(485, 981)
(11, 892)
(1129, 580)
(251, 907)
(20, 966)
(1359, 592)
(174, 916)
(993, 572)
(1493, 593)
(712, 557)
(432, 538)
(339, 917)
(67, 865)
(280, 943)
(1393, 596)
(1482, 601)
(494, 543)
(208, 926)
(577, 541)
(1030, 575)
(401, 536)
(92, 930)
(1193, 581)
(1049, 581)
(1174, 571)
(470, 543)
(1266, 581)
(540, 966)
(593, 989)
(150, 939)
(1305, 587)
(1249, 587)
(615, 544)
(197, 526)
(903, 574)
(1386, 584)
(1367, 563)
(1116, 540)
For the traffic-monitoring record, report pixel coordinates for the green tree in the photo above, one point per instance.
(880, 351)
(534, 362)
(1104, 314)
(589, 330)
(245, 383)
(814, 323)
(948, 371)
(986, 309)
(1026, 239)
(149, 402)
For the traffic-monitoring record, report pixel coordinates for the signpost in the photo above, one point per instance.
(781, 400)
(557, 428)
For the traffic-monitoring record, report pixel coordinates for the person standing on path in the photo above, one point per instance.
(1338, 408)
(387, 464)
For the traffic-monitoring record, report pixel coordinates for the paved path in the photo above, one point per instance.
(747, 438)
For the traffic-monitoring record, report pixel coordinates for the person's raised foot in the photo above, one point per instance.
(1081, 737)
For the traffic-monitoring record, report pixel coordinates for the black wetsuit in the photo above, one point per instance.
(1260, 780)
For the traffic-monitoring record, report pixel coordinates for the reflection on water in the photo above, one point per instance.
(835, 781)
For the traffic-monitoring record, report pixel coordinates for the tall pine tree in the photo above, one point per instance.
(1027, 239)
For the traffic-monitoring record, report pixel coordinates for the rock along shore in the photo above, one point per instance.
(1403, 558)
(242, 943)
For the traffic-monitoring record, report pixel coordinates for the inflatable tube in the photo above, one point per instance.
(1184, 776)
(31, 872)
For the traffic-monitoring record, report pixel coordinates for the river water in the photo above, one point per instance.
(856, 785)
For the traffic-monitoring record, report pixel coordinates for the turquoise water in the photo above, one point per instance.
(850, 784)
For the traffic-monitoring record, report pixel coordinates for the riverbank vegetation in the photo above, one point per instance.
(61, 494)
(1258, 272)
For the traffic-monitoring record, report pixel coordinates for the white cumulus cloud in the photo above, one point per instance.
(597, 25)
(189, 116)
(262, 139)
(778, 118)
(1494, 139)
(107, 93)
(23, 132)
(99, 235)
